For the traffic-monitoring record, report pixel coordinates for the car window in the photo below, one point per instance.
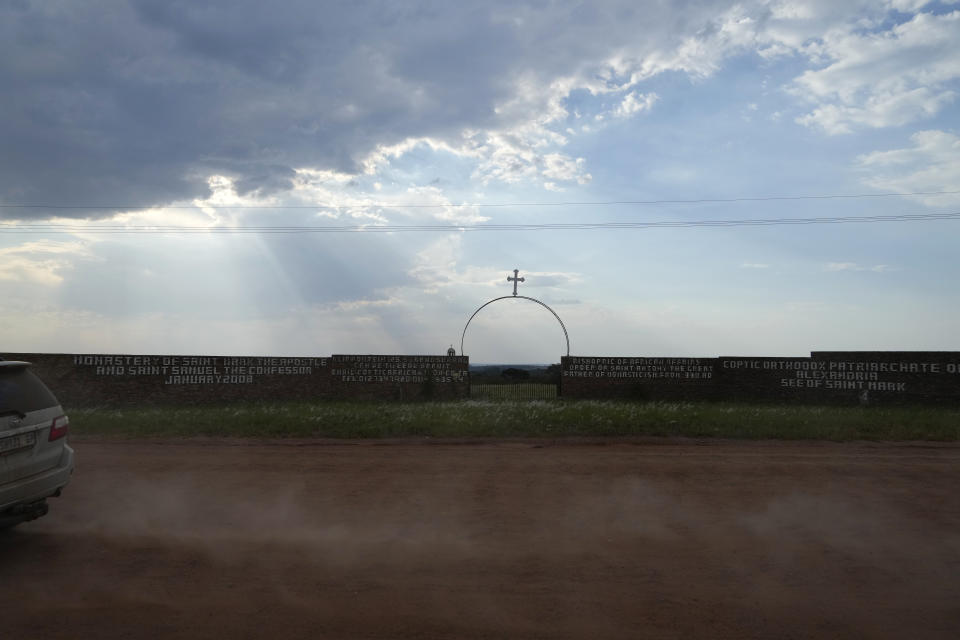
(21, 391)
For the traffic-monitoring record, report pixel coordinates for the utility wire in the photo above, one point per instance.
(10, 228)
(394, 205)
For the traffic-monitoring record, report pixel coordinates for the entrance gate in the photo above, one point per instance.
(532, 390)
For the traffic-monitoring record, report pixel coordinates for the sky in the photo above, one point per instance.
(312, 178)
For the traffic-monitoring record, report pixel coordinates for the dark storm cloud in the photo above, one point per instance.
(135, 104)
(263, 180)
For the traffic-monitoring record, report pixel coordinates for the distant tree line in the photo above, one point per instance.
(515, 375)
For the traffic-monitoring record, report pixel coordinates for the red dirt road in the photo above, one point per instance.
(232, 539)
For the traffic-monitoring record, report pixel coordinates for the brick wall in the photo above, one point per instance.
(834, 377)
(638, 378)
(399, 377)
(874, 377)
(92, 380)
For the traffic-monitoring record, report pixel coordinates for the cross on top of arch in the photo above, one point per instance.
(515, 279)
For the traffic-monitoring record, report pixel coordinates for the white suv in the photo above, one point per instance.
(35, 460)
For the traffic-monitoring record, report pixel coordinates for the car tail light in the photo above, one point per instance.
(59, 428)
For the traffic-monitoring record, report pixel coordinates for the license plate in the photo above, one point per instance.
(19, 441)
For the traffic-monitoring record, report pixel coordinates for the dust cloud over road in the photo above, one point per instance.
(235, 539)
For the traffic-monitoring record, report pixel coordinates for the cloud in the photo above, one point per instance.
(40, 263)
(551, 279)
(634, 103)
(853, 266)
(563, 168)
(882, 78)
(137, 103)
(438, 266)
(121, 105)
(435, 266)
(754, 265)
(932, 163)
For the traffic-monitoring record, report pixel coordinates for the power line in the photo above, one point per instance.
(578, 226)
(390, 205)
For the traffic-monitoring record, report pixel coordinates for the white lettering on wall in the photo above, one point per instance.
(843, 375)
(639, 368)
(399, 369)
(205, 370)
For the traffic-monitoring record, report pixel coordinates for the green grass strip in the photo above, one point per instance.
(549, 418)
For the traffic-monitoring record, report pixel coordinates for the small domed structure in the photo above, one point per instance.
(451, 351)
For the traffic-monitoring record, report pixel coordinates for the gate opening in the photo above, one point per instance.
(515, 382)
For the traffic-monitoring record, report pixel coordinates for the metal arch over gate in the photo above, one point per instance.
(515, 296)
